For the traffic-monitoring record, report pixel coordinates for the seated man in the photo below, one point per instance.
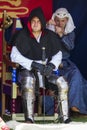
(37, 49)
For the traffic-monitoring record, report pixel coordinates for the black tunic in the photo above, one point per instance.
(30, 48)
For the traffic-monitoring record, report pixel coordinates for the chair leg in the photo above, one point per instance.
(40, 105)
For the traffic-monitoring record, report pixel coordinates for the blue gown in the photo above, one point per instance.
(77, 84)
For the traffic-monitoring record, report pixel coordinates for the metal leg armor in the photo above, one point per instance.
(63, 97)
(27, 81)
(62, 94)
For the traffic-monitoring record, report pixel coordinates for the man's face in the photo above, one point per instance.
(61, 22)
(35, 24)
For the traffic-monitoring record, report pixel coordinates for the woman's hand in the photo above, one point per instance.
(51, 22)
(59, 31)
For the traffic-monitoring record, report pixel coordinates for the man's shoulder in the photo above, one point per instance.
(22, 32)
(52, 34)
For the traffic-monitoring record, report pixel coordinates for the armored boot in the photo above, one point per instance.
(28, 105)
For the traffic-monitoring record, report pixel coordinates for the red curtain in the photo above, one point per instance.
(22, 8)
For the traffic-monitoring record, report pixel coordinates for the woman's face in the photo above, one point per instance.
(61, 22)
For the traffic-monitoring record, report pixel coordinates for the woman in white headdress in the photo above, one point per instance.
(62, 24)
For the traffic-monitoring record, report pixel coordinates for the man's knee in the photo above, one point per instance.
(26, 79)
(27, 84)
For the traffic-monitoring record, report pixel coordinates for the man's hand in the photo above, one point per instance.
(37, 66)
(44, 70)
(48, 69)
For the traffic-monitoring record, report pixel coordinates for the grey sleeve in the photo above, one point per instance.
(68, 40)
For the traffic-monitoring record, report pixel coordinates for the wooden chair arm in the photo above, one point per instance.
(8, 62)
